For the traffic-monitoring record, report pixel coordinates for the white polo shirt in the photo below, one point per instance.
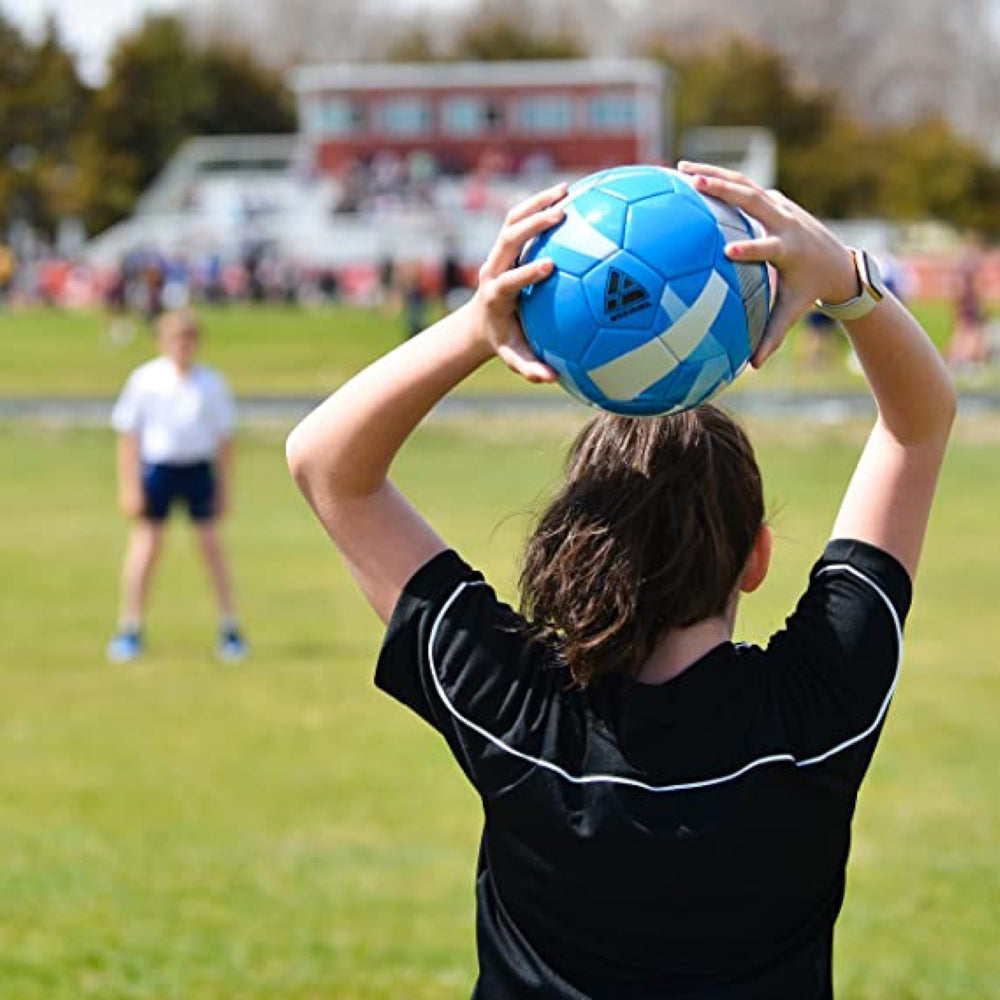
(180, 418)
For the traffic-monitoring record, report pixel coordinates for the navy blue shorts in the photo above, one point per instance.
(193, 484)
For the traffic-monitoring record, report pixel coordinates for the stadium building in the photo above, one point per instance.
(418, 163)
(568, 115)
(399, 161)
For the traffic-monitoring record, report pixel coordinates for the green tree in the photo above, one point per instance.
(162, 89)
(416, 45)
(16, 58)
(242, 96)
(836, 164)
(155, 91)
(739, 82)
(43, 105)
(928, 171)
(496, 38)
(837, 174)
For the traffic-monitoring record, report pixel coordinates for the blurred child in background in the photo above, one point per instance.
(175, 420)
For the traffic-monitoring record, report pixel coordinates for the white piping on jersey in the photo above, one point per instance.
(615, 779)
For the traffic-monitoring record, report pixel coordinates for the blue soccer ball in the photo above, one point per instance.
(643, 312)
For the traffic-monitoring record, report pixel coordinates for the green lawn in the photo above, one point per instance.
(180, 830)
(269, 350)
(264, 350)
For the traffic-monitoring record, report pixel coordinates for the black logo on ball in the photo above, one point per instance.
(623, 295)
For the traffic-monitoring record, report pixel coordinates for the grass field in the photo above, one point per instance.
(179, 830)
(264, 350)
(275, 351)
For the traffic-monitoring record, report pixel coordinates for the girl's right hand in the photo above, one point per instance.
(811, 262)
(501, 280)
(131, 502)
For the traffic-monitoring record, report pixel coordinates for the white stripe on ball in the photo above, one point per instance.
(624, 377)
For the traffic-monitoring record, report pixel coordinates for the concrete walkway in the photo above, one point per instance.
(286, 410)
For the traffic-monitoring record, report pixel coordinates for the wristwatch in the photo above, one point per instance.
(872, 290)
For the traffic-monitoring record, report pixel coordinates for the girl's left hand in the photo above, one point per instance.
(811, 262)
(501, 281)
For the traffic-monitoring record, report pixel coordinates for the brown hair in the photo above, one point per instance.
(649, 531)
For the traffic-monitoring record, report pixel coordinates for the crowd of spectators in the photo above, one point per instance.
(387, 183)
(146, 282)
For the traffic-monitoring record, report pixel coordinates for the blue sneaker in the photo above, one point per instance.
(125, 646)
(231, 647)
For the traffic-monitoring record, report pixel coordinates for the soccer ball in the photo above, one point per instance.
(643, 312)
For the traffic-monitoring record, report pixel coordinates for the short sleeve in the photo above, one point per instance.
(459, 658)
(833, 668)
(126, 415)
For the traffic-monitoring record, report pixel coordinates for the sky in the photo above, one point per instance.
(88, 27)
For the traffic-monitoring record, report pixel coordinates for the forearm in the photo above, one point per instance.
(340, 454)
(224, 465)
(128, 465)
(345, 446)
(890, 494)
(908, 378)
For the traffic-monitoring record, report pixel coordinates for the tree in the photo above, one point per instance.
(155, 90)
(415, 45)
(835, 163)
(284, 33)
(889, 63)
(242, 95)
(43, 105)
(162, 89)
(928, 171)
(490, 34)
(737, 81)
(497, 38)
(16, 58)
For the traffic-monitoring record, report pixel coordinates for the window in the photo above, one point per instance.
(336, 116)
(545, 113)
(468, 115)
(312, 117)
(612, 112)
(405, 116)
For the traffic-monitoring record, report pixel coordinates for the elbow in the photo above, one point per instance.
(297, 457)
(948, 406)
(952, 405)
(323, 469)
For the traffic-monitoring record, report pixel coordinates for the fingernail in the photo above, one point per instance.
(701, 181)
(734, 251)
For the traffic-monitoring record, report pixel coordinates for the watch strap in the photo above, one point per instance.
(870, 295)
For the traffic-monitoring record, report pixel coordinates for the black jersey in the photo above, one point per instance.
(681, 840)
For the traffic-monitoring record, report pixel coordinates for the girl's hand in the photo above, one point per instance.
(221, 507)
(132, 502)
(811, 262)
(501, 280)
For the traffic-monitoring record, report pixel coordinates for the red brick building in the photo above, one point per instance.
(570, 115)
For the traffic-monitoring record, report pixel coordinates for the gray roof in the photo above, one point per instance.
(451, 75)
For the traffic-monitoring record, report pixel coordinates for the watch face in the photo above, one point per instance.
(871, 276)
